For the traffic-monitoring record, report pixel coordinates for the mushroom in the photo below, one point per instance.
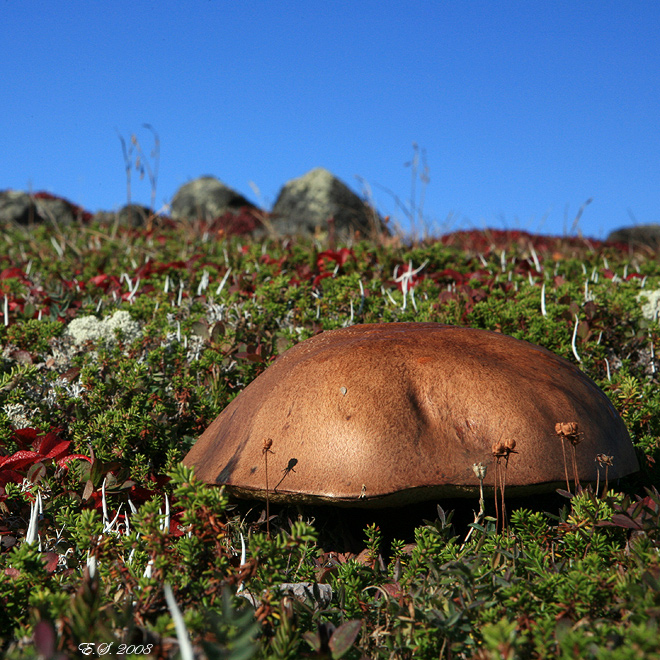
(394, 413)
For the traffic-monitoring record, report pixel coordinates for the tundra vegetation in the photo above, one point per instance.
(121, 345)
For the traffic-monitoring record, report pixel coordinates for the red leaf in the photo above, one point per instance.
(51, 559)
(36, 472)
(343, 638)
(392, 589)
(320, 277)
(58, 449)
(25, 437)
(88, 490)
(10, 476)
(20, 459)
(175, 528)
(253, 357)
(63, 462)
(97, 280)
(9, 273)
(451, 274)
(624, 521)
(71, 374)
(45, 443)
(44, 635)
(340, 257)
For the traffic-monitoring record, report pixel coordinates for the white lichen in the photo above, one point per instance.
(650, 306)
(19, 416)
(89, 328)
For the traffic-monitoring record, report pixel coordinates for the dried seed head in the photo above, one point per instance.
(568, 430)
(604, 459)
(504, 448)
(498, 448)
(268, 443)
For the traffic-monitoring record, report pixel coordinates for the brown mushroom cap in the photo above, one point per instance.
(391, 413)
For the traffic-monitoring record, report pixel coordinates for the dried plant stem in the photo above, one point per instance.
(502, 450)
(502, 487)
(563, 451)
(607, 467)
(265, 451)
(497, 483)
(576, 476)
(480, 471)
(267, 499)
(570, 431)
(603, 460)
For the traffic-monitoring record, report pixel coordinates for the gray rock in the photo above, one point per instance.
(206, 198)
(58, 210)
(17, 206)
(131, 215)
(305, 205)
(317, 595)
(648, 235)
(24, 209)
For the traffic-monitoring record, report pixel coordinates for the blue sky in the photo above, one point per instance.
(524, 109)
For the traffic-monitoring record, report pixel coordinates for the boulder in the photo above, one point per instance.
(647, 235)
(24, 209)
(19, 207)
(131, 215)
(206, 198)
(305, 205)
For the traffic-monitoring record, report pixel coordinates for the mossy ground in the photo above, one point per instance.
(97, 431)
